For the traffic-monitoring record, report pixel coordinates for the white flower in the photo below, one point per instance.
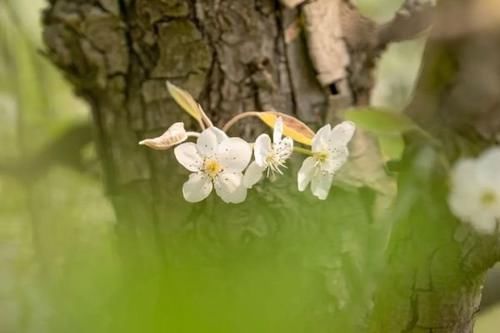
(330, 152)
(475, 192)
(215, 161)
(174, 135)
(270, 157)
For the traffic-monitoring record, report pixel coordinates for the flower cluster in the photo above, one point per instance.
(475, 193)
(222, 163)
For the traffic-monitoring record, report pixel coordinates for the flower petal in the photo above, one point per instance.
(229, 187)
(472, 180)
(484, 222)
(321, 138)
(220, 134)
(187, 155)
(253, 174)
(320, 185)
(278, 130)
(465, 191)
(487, 166)
(262, 149)
(208, 141)
(338, 157)
(463, 175)
(284, 148)
(342, 134)
(234, 154)
(305, 173)
(197, 188)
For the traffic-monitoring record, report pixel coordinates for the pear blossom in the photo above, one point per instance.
(216, 161)
(269, 157)
(475, 191)
(174, 135)
(329, 154)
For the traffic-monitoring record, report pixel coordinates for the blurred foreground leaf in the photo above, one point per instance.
(387, 126)
(380, 121)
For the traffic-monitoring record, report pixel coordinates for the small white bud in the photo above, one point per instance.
(173, 136)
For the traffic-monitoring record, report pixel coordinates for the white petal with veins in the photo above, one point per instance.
(187, 155)
(278, 130)
(342, 134)
(234, 154)
(253, 174)
(197, 188)
(284, 148)
(320, 185)
(219, 134)
(306, 172)
(336, 160)
(262, 148)
(208, 141)
(229, 187)
(320, 140)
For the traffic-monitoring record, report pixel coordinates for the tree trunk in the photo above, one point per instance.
(436, 265)
(232, 56)
(229, 55)
(236, 56)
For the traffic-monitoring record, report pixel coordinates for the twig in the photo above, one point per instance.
(411, 20)
(237, 118)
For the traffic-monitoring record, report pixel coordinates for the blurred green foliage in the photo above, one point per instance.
(60, 270)
(42, 224)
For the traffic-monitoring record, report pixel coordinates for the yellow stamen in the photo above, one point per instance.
(321, 156)
(212, 168)
(488, 198)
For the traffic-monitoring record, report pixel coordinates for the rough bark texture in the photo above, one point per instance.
(229, 55)
(232, 56)
(236, 56)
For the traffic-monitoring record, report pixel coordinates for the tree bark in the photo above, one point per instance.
(232, 56)
(435, 267)
(236, 56)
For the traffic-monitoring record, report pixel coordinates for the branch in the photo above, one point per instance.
(438, 258)
(325, 40)
(412, 19)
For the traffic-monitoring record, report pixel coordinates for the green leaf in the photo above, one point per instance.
(185, 101)
(380, 121)
(391, 145)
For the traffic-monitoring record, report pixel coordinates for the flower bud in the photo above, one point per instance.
(173, 136)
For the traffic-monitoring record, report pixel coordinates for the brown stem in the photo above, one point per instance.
(237, 118)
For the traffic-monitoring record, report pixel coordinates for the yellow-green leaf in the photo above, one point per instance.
(292, 127)
(391, 145)
(380, 121)
(185, 101)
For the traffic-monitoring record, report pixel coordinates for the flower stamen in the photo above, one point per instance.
(488, 198)
(212, 168)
